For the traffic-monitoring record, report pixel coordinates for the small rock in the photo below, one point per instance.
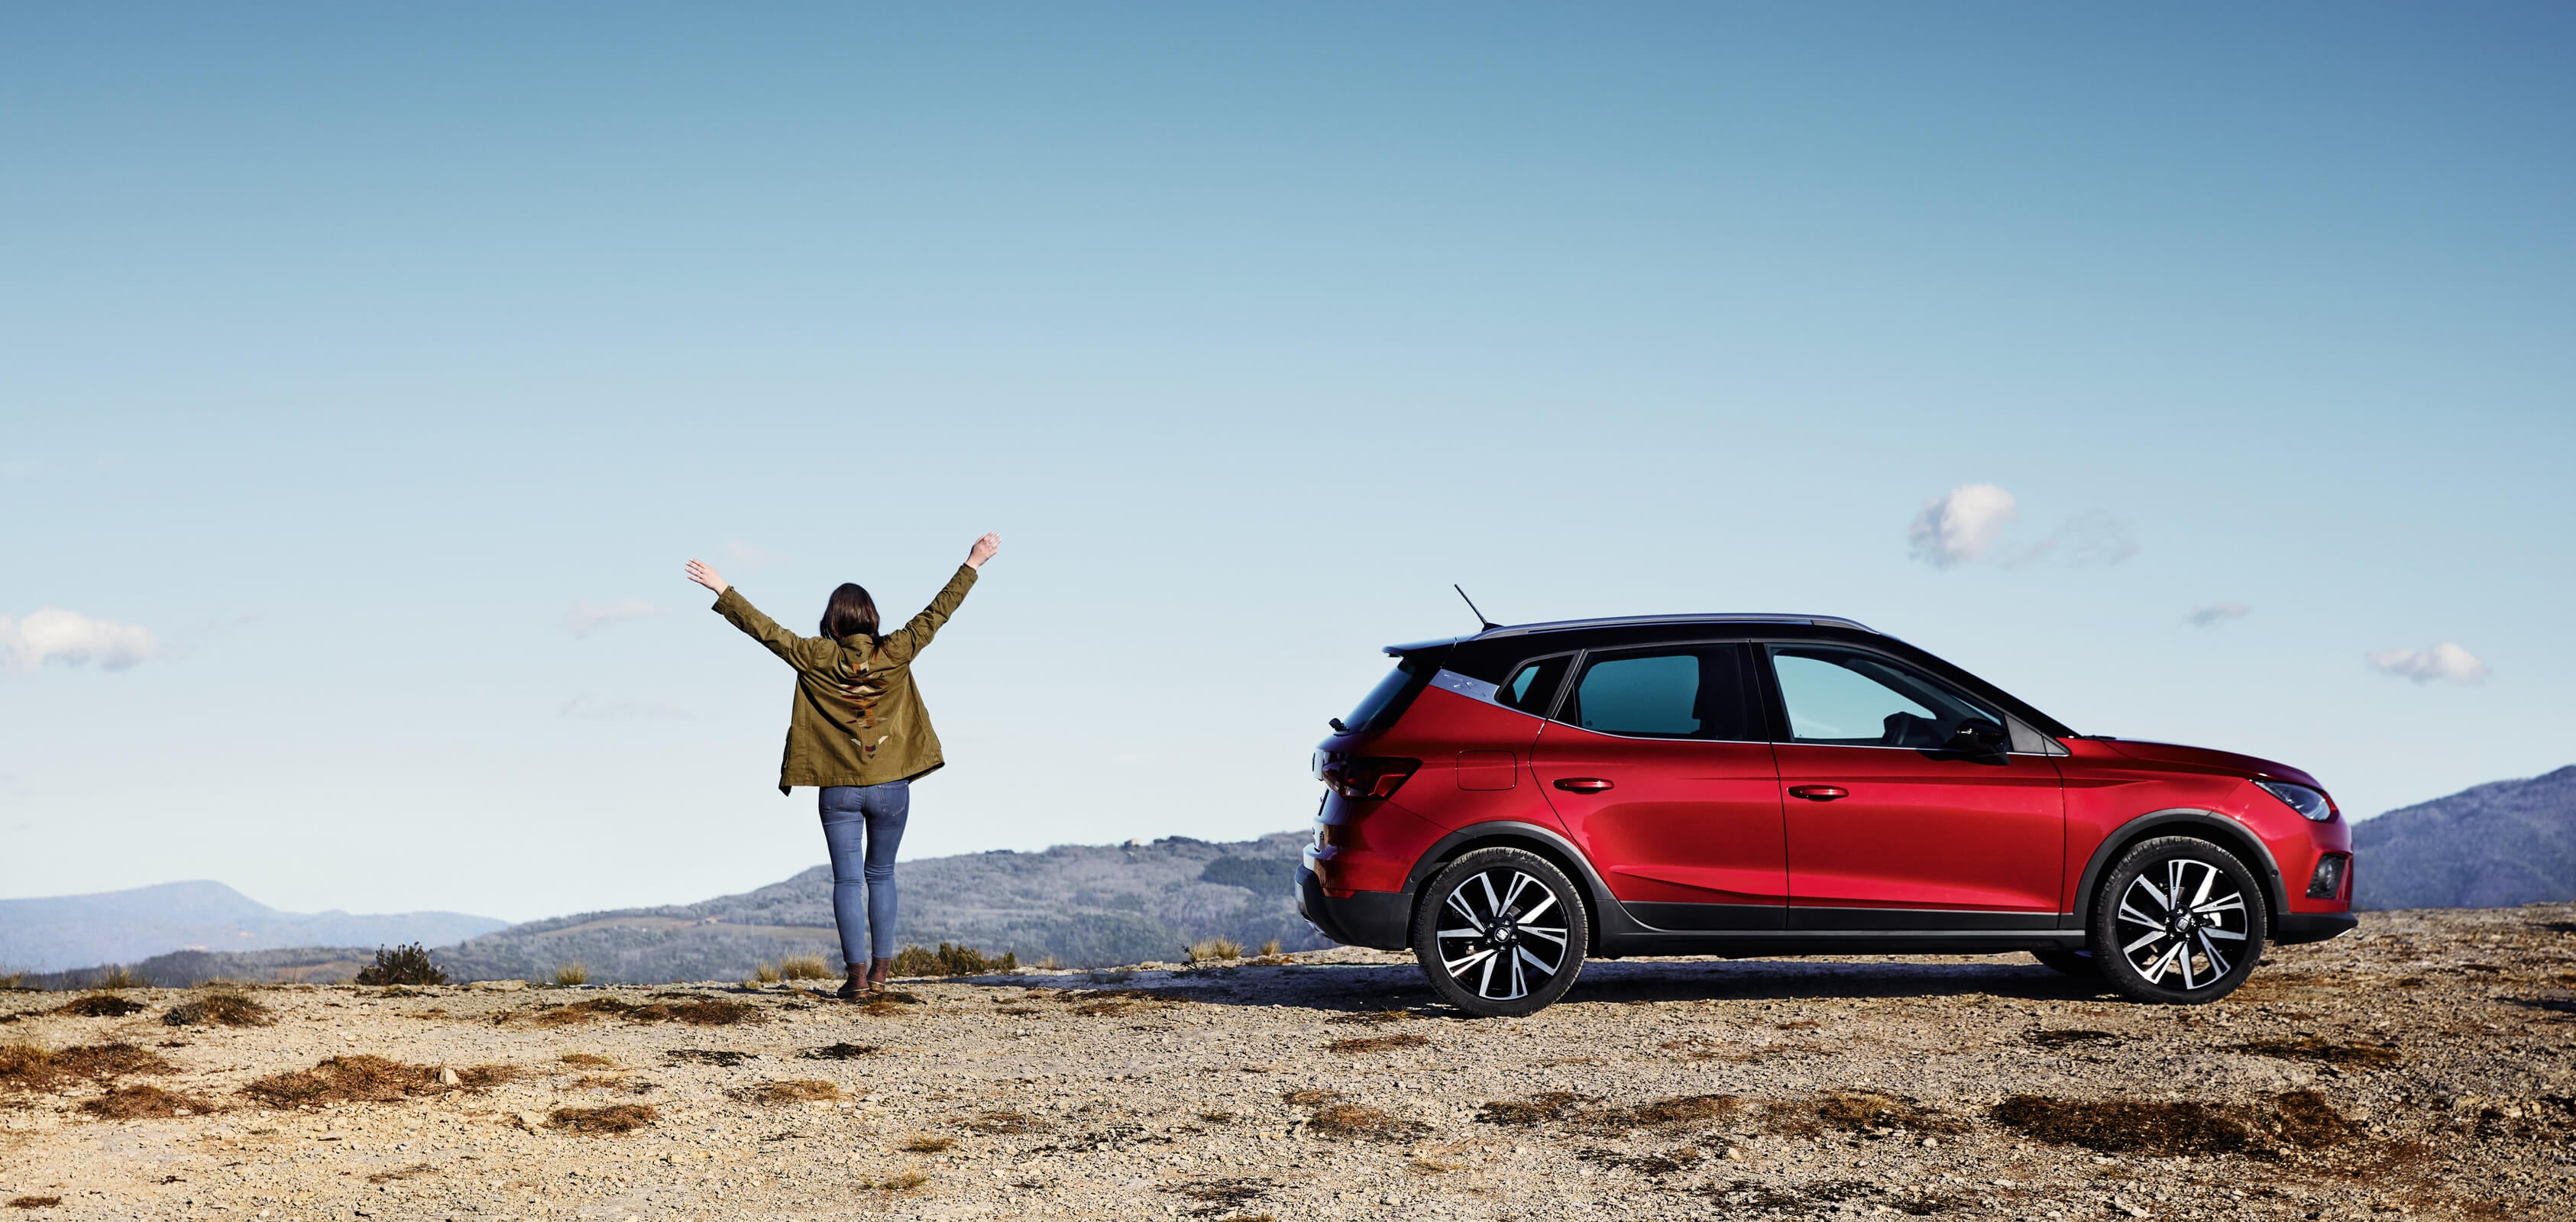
(447, 1077)
(532, 1121)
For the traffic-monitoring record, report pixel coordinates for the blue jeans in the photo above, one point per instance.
(869, 815)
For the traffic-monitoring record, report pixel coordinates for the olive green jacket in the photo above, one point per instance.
(856, 720)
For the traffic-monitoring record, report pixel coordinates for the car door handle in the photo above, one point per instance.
(1583, 784)
(1819, 793)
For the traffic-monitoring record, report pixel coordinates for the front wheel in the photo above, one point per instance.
(2179, 921)
(1500, 933)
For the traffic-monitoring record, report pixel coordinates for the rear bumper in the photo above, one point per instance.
(1374, 919)
(2294, 927)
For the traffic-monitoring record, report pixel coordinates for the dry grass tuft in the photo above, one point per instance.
(952, 960)
(144, 1102)
(2070, 1037)
(1109, 1003)
(587, 1060)
(695, 1010)
(765, 973)
(1862, 1110)
(2317, 1048)
(904, 1181)
(838, 1052)
(100, 1005)
(29, 1067)
(368, 1079)
(1000, 1123)
(1215, 950)
(1538, 1109)
(1352, 1122)
(219, 1010)
(617, 1119)
(2301, 1119)
(799, 1090)
(1377, 1043)
(1270, 949)
(804, 967)
(706, 1056)
(571, 974)
(119, 977)
(1312, 1097)
(34, 1202)
(924, 1143)
(1662, 1115)
(886, 1002)
(401, 1173)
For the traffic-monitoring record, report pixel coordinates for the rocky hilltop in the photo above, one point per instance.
(2423, 1067)
(2489, 846)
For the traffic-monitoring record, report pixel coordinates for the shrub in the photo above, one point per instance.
(402, 965)
(1215, 949)
(12, 980)
(100, 1005)
(952, 960)
(118, 977)
(368, 1079)
(802, 1090)
(571, 974)
(766, 973)
(1270, 948)
(804, 967)
(927, 1144)
(220, 1010)
(613, 1120)
(139, 1102)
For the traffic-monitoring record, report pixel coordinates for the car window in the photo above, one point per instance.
(1533, 685)
(1852, 698)
(1692, 692)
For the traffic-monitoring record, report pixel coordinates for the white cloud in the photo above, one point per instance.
(1958, 528)
(2445, 661)
(583, 708)
(585, 619)
(55, 635)
(2217, 613)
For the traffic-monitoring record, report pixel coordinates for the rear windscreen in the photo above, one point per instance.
(1396, 690)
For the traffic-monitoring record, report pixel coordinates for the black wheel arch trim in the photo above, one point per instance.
(1600, 906)
(2231, 835)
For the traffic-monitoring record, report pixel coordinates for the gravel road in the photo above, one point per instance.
(2422, 1067)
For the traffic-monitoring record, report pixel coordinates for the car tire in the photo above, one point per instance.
(1501, 932)
(2076, 963)
(2178, 921)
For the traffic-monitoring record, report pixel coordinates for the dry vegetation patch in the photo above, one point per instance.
(615, 1120)
(952, 960)
(902, 1181)
(2301, 1119)
(1109, 1003)
(838, 1052)
(29, 1067)
(34, 1202)
(725, 1057)
(1377, 1043)
(2318, 1048)
(696, 1010)
(401, 1173)
(1663, 1115)
(587, 1060)
(798, 1090)
(1352, 1122)
(1002, 1123)
(364, 1078)
(884, 1002)
(1311, 1097)
(100, 1005)
(219, 1010)
(142, 1102)
(924, 1143)
(1543, 1108)
(1370, 1018)
(2070, 1037)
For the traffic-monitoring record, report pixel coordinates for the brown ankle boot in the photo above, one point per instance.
(858, 984)
(879, 971)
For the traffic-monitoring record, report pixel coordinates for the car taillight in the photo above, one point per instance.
(1368, 776)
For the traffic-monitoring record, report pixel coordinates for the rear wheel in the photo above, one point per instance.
(1500, 932)
(2179, 921)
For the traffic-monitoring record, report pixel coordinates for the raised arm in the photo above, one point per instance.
(905, 642)
(797, 650)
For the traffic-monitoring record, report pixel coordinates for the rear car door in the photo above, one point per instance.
(1891, 823)
(1655, 761)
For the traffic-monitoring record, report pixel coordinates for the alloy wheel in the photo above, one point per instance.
(1501, 934)
(2187, 920)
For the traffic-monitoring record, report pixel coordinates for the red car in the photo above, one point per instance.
(1511, 803)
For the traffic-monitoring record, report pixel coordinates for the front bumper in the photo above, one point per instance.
(2293, 927)
(1375, 919)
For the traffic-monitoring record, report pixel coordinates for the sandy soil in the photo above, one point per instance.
(2419, 1067)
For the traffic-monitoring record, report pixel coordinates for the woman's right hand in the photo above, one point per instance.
(701, 574)
(983, 550)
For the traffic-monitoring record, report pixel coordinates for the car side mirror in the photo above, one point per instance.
(1978, 735)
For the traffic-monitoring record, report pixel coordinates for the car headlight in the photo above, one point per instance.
(2312, 803)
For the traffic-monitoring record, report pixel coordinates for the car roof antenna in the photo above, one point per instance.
(1489, 625)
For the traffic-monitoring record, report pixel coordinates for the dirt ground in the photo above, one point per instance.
(2420, 1067)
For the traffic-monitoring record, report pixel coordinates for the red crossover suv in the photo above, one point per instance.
(1509, 803)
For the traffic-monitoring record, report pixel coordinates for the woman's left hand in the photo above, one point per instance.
(983, 550)
(701, 574)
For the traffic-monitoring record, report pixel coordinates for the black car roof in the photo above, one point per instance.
(1636, 621)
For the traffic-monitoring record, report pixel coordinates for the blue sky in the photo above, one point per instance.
(359, 360)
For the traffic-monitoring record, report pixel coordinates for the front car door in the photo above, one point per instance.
(1655, 762)
(1890, 824)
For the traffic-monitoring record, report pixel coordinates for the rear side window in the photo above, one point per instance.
(1532, 686)
(1695, 691)
(1412, 672)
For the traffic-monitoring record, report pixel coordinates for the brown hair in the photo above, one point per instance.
(850, 613)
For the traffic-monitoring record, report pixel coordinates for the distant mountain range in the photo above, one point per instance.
(2491, 846)
(121, 926)
(2496, 845)
(1083, 905)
